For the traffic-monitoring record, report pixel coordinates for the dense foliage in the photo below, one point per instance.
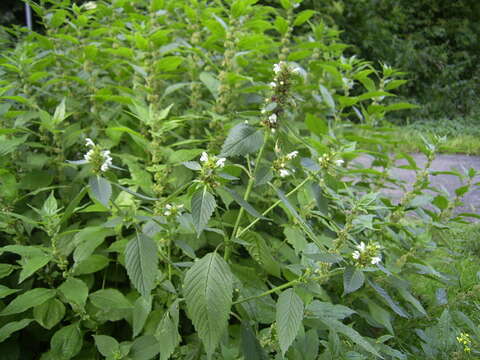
(179, 179)
(435, 41)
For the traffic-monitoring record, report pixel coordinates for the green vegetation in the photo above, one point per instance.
(176, 182)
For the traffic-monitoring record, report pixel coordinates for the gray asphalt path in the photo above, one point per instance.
(441, 163)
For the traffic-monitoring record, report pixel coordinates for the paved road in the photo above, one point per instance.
(450, 182)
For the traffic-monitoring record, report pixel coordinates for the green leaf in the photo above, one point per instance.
(5, 291)
(210, 82)
(101, 189)
(243, 203)
(203, 204)
(251, 348)
(8, 329)
(353, 280)
(316, 125)
(87, 240)
(319, 309)
(144, 348)
(350, 333)
(208, 289)
(28, 300)
(31, 265)
(141, 310)
(106, 345)
(141, 262)
(75, 291)
(67, 341)
(327, 97)
(50, 313)
(90, 265)
(303, 16)
(262, 253)
(242, 139)
(385, 296)
(289, 318)
(167, 332)
(110, 299)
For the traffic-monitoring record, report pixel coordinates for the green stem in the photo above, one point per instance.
(251, 181)
(278, 202)
(271, 291)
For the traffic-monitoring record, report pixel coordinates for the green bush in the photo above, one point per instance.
(177, 180)
(436, 42)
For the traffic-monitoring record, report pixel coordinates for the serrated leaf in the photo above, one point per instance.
(106, 345)
(388, 299)
(289, 318)
(31, 265)
(141, 262)
(261, 253)
(203, 204)
(208, 289)
(167, 332)
(243, 203)
(353, 280)
(144, 348)
(242, 139)
(50, 313)
(319, 309)
(350, 333)
(8, 329)
(210, 82)
(28, 300)
(303, 17)
(67, 341)
(141, 310)
(75, 291)
(251, 348)
(101, 189)
(110, 299)
(327, 97)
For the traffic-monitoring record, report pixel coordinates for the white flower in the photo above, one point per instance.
(89, 142)
(356, 255)
(361, 247)
(375, 260)
(284, 172)
(220, 162)
(167, 213)
(107, 160)
(90, 5)
(295, 70)
(282, 83)
(204, 157)
(278, 67)
(339, 162)
(292, 155)
(272, 119)
(88, 155)
(273, 84)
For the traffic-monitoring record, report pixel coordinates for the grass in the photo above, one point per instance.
(462, 135)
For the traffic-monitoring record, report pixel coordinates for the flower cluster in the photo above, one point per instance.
(464, 339)
(212, 162)
(280, 165)
(172, 210)
(90, 5)
(275, 104)
(367, 254)
(100, 159)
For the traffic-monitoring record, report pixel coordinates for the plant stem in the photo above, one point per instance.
(278, 202)
(251, 181)
(271, 291)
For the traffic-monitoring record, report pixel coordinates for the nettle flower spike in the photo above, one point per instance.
(100, 159)
(172, 210)
(280, 165)
(212, 161)
(367, 254)
(275, 104)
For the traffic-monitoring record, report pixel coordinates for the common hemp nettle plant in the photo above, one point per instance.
(178, 181)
